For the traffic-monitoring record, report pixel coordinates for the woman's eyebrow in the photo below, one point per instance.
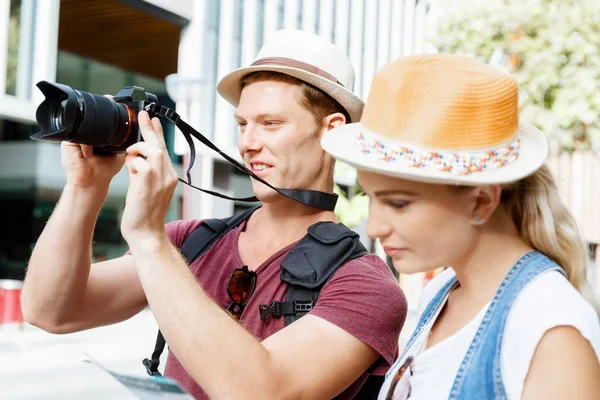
(394, 191)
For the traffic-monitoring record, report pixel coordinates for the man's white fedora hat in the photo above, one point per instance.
(441, 119)
(305, 56)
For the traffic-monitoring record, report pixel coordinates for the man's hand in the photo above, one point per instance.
(86, 170)
(152, 182)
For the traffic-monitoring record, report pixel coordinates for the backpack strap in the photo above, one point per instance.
(193, 247)
(309, 265)
(209, 232)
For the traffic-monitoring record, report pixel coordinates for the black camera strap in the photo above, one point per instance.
(312, 198)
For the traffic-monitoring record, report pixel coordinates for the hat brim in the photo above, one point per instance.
(340, 143)
(230, 87)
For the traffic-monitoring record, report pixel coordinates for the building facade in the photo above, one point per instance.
(176, 49)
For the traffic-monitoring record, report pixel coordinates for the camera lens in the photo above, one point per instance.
(58, 115)
(87, 118)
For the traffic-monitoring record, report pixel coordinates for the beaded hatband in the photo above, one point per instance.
(456, 163)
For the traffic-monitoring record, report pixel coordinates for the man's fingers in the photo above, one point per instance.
(151, 130)
(136, 164)
(145, 149)
(87, 150)
(159, 130)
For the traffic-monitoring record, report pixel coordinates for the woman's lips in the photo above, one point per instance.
(394, 251)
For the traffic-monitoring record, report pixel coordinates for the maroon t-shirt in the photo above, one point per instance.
(363, 298)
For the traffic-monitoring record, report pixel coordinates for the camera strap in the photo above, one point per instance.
(312, 198)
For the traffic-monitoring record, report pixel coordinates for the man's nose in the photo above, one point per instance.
(249, 139)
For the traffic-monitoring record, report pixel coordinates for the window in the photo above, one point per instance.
(95, 77)
(12, 130)
(14, 24)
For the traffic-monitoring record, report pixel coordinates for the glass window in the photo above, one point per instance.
(99, 78)
(12, 130)
(317, 16)
(260, 24)
(281, 14)
(14, 24)
(299, 13)
(237, 33)
(16, 235)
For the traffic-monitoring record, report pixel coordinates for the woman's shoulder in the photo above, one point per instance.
(550, 300)
(546, 302)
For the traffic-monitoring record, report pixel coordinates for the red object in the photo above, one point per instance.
(10, 301)
(429, 275)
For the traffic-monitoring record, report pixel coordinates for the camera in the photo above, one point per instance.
(109, 125)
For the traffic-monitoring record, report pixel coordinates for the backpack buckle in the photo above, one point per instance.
(277, 309)
(267, 310)
(151, 369)
(303, 306)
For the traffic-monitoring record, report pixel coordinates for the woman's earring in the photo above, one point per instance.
(477, 221)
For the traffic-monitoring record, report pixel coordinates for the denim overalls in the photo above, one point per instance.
(479, 376)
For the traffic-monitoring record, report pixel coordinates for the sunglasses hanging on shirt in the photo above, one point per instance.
(240, 288)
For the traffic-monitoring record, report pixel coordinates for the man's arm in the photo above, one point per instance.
(62, 292)
(564, 366)
(312, 358)
(217, 352)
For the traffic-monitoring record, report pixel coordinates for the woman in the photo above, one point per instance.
(455, 180)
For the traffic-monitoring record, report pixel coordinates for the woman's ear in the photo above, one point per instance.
(487, 199)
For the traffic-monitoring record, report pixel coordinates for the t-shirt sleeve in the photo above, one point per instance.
(365, 300)
(546, 302)
(178, 231)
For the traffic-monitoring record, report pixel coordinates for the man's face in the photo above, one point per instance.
(279, 140)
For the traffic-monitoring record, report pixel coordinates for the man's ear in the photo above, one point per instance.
(335, 120)
(487, 199)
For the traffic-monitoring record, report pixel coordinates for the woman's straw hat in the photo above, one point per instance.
(443, 119)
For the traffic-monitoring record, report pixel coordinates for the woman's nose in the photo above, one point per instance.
(377, 226)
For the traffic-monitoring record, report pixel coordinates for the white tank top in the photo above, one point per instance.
(549, 300)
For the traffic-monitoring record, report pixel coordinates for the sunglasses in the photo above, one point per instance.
(400, 386)
(240, 288)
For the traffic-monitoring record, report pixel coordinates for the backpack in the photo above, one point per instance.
(307, 267)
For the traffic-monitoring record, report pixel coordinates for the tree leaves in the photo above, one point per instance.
(552, 47)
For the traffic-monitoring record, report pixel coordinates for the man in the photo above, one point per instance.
(299, 87)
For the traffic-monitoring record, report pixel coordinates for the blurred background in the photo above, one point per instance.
(178, 49)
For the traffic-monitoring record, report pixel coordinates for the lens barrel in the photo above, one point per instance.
(86, 118)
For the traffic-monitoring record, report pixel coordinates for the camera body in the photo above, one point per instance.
(134, 99)
(109, 125)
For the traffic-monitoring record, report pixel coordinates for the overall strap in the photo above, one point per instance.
(479, 375)
(428, 313)
(194, 246)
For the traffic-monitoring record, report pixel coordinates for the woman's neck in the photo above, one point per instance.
(497, 249)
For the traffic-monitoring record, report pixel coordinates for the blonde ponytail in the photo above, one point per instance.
(547, 225)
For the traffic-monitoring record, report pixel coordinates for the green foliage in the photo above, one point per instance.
(353, 210)
(552, 49)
